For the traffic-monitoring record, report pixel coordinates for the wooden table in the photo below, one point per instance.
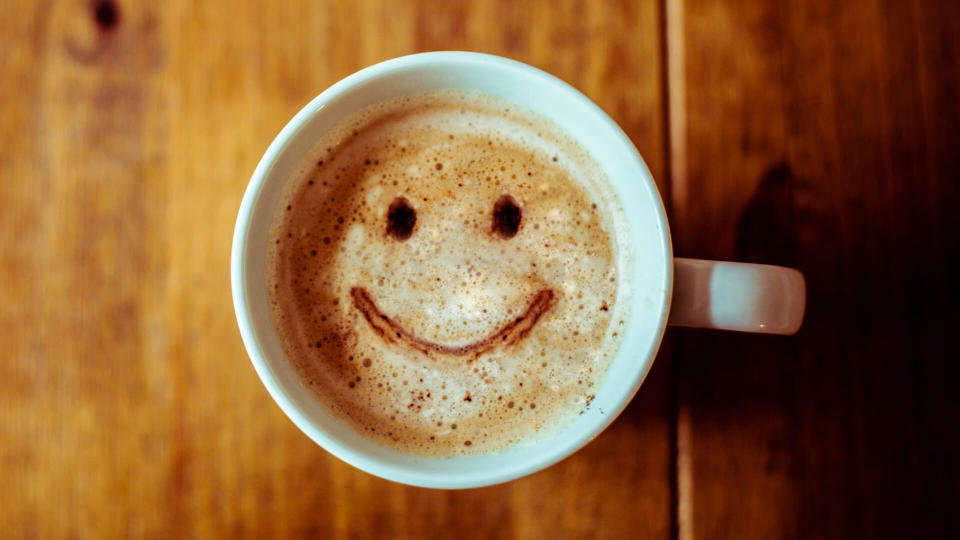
(822, 135)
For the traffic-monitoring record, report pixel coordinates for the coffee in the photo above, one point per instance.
(443, 274)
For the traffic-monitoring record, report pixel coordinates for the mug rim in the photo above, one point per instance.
(239, 272)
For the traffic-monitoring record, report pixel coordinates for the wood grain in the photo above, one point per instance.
(127, 404)
(812, 134)
(823, 136)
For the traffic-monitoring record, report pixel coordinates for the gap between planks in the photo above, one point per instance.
(675, 122)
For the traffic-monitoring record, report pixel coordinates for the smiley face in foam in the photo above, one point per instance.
(401, 220)
(443, 274)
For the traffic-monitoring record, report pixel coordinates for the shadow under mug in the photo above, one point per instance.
(655, 288)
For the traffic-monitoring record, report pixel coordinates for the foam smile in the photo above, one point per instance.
(510, 333)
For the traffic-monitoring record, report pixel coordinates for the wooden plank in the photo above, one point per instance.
(823, 136)
(127, 404)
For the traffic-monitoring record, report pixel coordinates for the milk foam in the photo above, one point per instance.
(454, 282)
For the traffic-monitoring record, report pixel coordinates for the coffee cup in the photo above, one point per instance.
(663, 290)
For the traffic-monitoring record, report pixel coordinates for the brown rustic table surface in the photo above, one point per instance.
(817, 134)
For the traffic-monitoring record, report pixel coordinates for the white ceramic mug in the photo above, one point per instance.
(735, 296)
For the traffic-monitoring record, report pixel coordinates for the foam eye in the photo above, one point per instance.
(401, 218)
(506, 217)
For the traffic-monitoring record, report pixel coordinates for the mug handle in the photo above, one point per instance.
(737, 296)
